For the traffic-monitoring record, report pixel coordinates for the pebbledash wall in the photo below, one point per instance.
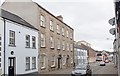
(20, 52)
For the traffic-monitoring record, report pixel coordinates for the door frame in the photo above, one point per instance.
(12, 63)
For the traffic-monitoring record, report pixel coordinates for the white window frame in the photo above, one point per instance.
(27, 41)
(58, 43)
(58, 29)
(71, 35)
(51, 25)
(42, 20)
(51, 42)
(33, 42)
(63, 31)
(68, 46)
(63, 45)
(43, 61)
(53, 61)
(71, 46)
(33, 62)
(27, 64)
(67, 33)
(42, 40)
(64, 60)
(11, 38)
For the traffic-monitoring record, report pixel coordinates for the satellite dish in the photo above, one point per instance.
(112, 21)
(112, 31)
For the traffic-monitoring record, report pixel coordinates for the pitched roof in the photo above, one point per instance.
(12, 17)
(53, 15)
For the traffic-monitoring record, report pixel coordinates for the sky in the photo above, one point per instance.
(88, 18)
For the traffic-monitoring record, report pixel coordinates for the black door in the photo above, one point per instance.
(58, 63)
(11, 67)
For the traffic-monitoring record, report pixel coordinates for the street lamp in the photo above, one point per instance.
(109, 39)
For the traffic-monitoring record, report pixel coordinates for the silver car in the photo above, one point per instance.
(82, 69)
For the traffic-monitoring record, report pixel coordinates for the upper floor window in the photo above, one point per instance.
(67, 33)
(67, 46)
(58, 28)
(71, 35)
(63, 31)
(58, 43)
(28, 41)
(71, 46)
(63, 45)
(51, 42)
(33, 42)
(42, 20)
(51, 25)
(12, 38)
(42, 40)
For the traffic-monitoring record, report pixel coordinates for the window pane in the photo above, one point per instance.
(12, 38)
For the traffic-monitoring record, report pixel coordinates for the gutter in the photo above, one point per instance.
(4, 43)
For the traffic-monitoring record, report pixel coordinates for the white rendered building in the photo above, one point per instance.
(18, 45)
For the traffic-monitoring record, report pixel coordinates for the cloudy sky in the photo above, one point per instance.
(88, 18)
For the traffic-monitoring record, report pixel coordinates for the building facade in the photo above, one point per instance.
(90, 51)
(55, 36)
(19, 41)
(80, 55)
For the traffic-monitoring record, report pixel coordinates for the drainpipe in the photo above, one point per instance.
(4, 43)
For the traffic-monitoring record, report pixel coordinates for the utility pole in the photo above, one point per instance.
(117, 12)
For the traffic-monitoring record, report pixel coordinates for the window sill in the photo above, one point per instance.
(58, 33)
(27, 69)
(51, 30)
(58, 48)
(12, 45)
(33, 47)
(43, 47)
(27, 47)
(52, 47)
(42, 68)
(53, 66)
(33, 68)
(43, 26)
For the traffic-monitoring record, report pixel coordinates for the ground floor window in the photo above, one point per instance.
(52, 61)
(33, 62)
(42, 61)
(27, 63)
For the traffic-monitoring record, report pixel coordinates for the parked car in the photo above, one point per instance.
(106, 61)
(82, 69)
(102, 63)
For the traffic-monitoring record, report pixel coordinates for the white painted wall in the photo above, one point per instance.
(81, 54)
(20, 52)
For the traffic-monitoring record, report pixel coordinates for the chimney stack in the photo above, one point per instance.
(60, 17)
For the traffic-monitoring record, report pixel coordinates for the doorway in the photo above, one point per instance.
(59, 61)
(11, 66)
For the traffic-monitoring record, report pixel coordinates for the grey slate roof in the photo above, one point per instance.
(12, 17)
